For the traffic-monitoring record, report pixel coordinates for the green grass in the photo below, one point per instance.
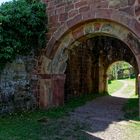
(131, 108)
(114, 86)
(47, 125)
(70, 105)
(129, 89)
(29, 125)
(131, 112)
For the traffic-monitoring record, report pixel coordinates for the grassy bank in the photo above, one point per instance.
(114, 86)
(131, 108)
(40, 124)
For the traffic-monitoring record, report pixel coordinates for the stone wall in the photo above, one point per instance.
(79, 72)
(17, 85)
(71, 22)
(69, 12)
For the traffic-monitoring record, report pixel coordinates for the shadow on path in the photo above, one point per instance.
(105, 117)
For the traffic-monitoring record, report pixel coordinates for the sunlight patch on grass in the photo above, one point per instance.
(114, 86)
(27, 126)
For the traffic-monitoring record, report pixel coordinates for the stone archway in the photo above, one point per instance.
(87, 64)
(52, 68)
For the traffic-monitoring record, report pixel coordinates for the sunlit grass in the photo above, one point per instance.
(114, 86)
(131, 108)
(30, 125)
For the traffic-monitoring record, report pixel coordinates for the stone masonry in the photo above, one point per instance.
(73, 22)
(70, 12)
(17, 86)
(66, 67)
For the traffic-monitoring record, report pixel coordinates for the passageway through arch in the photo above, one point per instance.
(88, 63)
(122, 77)
(75, 62)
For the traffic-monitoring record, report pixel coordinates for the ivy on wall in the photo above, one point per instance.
(23, 25)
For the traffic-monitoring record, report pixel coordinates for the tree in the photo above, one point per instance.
(22, 28)
(118, 68)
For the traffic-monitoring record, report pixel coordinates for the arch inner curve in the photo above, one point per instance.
(99, 43)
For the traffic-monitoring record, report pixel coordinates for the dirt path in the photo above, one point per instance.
(105, 117)
(100, 119)
(121, 92)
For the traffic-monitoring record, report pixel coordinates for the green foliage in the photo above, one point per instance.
(119, 70)
(22, 28)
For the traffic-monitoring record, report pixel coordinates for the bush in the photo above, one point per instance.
(22, 28)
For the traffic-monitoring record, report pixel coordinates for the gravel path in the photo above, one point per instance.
(100, 119)
(105, 117)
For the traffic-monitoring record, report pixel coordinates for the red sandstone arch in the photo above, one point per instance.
(52, 81)
(77, 32)
(104, 14)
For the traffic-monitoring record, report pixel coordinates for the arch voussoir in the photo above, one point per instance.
(93, 15)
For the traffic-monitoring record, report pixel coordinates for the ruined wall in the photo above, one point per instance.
(17, 85)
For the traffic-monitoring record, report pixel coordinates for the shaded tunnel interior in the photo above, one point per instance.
(88, 63)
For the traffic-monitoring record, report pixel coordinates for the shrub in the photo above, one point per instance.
(22, 28)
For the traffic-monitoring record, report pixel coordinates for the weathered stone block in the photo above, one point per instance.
(73, 13)
(137, 10)
(73, 21)
(84, 9)
(80, 4)
(78, 32)
(63, 17)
